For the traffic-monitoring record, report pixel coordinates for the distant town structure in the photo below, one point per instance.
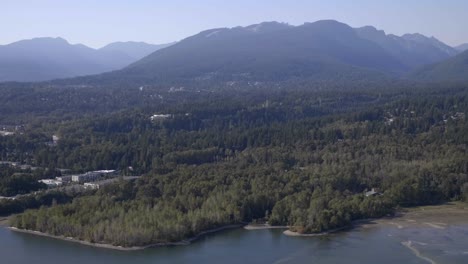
(18, 165)
(176, 89)
(51, 183)
(26, 167)
(85, 178)
(92, 176)
(7, 198)
(54, 142)
(373, 192)
(158, 117)
(9, 163)
(99, 184)
(6, 133)
(8, 130)
(65, 179)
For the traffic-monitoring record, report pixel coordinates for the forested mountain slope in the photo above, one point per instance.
(452, 70)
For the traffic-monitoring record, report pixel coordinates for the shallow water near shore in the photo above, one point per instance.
(369, 243)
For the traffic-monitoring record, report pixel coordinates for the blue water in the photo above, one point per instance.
(379, 244)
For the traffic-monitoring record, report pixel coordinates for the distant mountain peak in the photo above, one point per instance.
(264, 27)
(47, 58)
(267, 26)
(414, 50)
(330, 27)
(60, 39)
(326, 21)
(371, 31)
(41, 40)
(134, 49)
(414, 36)
(369, 28)
(433, 40)
(327, 24)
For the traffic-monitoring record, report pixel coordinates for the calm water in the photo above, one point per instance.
(380, 244)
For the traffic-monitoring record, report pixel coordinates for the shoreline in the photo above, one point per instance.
(428, 216)
(435, 216)
(324, 233)
(263, 226)
(184, 242)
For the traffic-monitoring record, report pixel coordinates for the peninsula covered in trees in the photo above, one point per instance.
(300, 157)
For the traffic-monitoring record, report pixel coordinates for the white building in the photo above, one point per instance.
(51, 183)
(373, 192)
(99, 184)
(160, 117)
(67, 178)
(92, 176)
(9, 163)
(91, 185)
(6, 133)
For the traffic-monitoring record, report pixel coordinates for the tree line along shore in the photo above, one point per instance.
(438, 216)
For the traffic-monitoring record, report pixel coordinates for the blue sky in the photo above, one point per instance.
(98, 22)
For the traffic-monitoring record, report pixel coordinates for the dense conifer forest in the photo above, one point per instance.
(299, 157)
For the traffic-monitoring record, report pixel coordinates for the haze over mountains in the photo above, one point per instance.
(320, 51)
(135, 50)
(270, 51)
(42, 59)
(267, 52)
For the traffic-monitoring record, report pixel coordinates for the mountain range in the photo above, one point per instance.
(266, 52)
(320, 51)
(271, 51)
(42, 59)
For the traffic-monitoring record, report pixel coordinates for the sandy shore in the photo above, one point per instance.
(292, 233)
(263, 226)
(108, 246)
(288, 232)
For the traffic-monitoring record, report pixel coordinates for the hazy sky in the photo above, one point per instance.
(98, 22)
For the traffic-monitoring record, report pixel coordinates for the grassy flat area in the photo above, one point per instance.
(435, 216)
(446, 206)
(4, 221)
